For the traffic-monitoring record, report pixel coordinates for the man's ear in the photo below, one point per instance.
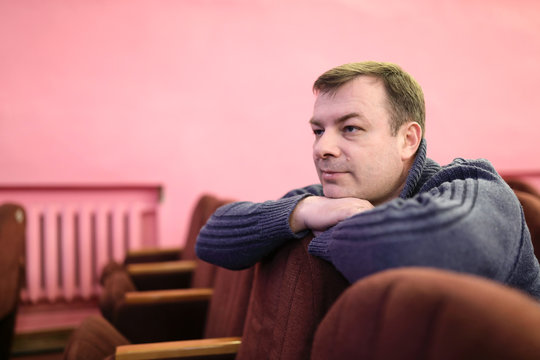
(411, 135)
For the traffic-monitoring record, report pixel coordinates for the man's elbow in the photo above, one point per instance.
(219, 258)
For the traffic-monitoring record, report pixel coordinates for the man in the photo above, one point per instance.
(381, 203)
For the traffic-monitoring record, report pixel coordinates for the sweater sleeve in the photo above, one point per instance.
(471, 223)
(240, 234)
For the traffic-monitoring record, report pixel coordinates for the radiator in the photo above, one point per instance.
(72, 232)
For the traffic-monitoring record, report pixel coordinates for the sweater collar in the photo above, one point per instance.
(415, 173)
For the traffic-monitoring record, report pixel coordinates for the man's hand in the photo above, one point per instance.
(319, 213)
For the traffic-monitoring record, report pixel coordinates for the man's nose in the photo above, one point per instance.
(326, 146)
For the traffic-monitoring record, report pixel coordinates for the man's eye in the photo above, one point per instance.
(351, 129)
(318, 132)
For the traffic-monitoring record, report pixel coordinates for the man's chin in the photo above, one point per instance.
(336, 192)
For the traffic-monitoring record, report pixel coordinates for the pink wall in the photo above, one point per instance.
(215, 95)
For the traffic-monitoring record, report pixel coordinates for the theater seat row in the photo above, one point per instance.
(295, 306)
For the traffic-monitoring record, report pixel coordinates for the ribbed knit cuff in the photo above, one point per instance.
(275, 222)
(319, 245)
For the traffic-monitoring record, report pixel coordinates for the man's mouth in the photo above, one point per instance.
(331, 174)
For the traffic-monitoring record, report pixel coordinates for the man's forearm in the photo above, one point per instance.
(448, 227)
(240, 234)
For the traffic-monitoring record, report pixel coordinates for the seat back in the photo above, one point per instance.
(12, 243)
(204, 274)
(292, 291)
(204, 208)
(421, 313)
(522, 185)
(529, 197)
(229, 304)
(221, 315)
(116, 281)
(96, 338)
(187, 252)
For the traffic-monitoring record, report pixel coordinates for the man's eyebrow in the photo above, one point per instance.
(339, 120)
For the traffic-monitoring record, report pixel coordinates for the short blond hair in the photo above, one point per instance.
(405, 96)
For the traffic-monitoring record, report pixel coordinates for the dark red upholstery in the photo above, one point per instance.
(96, 338)
(291, 293)
(222, 316)
(116, 281)
(229, 304)
(204, 207)
(420, 313)
(115, 286)
(12, 241)
(522, 185)
(529, 197)
(161, 321)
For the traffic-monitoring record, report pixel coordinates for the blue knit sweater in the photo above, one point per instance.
(461, 217)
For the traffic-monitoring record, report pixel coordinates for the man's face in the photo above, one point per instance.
(354, 151)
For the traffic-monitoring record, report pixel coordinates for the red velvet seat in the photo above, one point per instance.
(118, 280)
(204, 208)
(292, 291)
(421, 313)
(529, 197)
(96, 338)
(12, 242)
(522, 185)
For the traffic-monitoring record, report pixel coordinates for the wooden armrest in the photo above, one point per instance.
(160, 296)
(153, 255)
(165, 267)
(153, 251)
(176, 349)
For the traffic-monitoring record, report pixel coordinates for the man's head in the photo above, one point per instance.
(404, 95)
(368, 121)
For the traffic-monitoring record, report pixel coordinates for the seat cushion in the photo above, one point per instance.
(420, 313)
(94, 339)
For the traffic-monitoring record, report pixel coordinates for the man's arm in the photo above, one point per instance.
(469, 225)
(240, 234)
(318, 213)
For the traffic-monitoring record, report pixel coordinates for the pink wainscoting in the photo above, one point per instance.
(215, 95)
